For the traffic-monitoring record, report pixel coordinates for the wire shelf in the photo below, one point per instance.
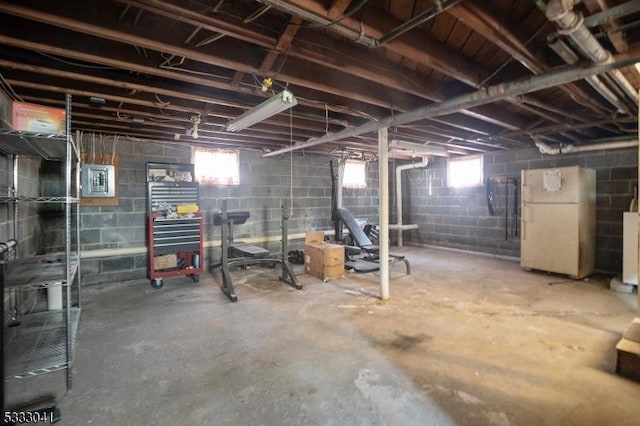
(40, 199)
(37, 272)
(38, 345)
(32, 144)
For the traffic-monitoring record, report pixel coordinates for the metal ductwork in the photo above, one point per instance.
(572, 24)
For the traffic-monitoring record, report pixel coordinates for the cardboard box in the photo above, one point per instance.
(323, 260)
(331, 272)
(314, 237)
(37, 118)
(166, 261)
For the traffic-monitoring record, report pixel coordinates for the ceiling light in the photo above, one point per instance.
(97, 101)
(195, 120)
(418, 148)
(272, 106)
(266, 84)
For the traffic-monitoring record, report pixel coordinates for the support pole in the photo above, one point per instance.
(383, 208)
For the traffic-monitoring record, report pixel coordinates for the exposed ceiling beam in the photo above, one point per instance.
(477, 16)
(420, 48)
(480, 97)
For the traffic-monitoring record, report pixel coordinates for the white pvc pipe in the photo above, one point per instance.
(568, 149)
(383, 207)
(341, 165)
(399, 170)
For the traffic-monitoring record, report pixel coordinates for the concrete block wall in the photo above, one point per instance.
(448, 217)
(459, 217)
(265, 186)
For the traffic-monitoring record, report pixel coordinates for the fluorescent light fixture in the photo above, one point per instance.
(272, 106)
(418, 148)
(97, 101)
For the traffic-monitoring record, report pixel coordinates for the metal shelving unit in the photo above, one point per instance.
(44, 341)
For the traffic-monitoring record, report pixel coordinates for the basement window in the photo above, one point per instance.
(354, 174)
(216, 166)
(465, 171)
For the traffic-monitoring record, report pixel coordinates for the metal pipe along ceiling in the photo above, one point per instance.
(569, 56)
(415, 21)
(480, 97)
(355, 35)
(312, 17)
(572, 24)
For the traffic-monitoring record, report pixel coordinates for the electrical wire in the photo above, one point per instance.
(162, 103)
(116, 139)
(369, 65)
(282, 61)
(93, 148)
(482, 83)
(8, 86)
(103, 151)
(75, 64)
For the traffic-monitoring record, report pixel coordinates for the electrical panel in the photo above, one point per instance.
(98, 180)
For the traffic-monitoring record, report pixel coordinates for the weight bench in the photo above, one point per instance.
(370, 262)
(242, 254)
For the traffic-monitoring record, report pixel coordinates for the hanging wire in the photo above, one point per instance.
(6, 84)
(93, 148)
(291, 162)
(75, 64)
(482, 83)
(162, 103)
(116, 139)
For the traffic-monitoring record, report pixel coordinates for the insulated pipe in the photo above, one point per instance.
(399, 170)
(572, 24)
(565, 52)
(383, 208)
(568, 149)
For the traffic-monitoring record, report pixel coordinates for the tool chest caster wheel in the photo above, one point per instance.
(157, 283)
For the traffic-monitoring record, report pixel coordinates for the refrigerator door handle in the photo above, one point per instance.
(525, 214)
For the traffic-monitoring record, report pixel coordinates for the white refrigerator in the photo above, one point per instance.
(559, 220)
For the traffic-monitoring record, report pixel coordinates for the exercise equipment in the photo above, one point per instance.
(240, 254)
(371, 259)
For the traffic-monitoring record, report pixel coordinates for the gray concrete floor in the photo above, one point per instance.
(465, 339)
